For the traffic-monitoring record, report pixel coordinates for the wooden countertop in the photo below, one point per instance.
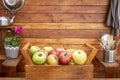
(82, 79)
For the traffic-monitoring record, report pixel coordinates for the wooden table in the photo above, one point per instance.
(10, 66)
(82, 79)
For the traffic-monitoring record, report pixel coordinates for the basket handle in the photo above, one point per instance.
(92, 54)
(25, 53)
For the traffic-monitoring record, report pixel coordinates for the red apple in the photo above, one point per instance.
(65, 57)
(54, 52)
(60, 49)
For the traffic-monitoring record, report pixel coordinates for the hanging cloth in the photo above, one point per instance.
(113, 17)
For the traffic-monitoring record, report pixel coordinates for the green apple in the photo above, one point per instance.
(33, 49)
(52, 59)
(79, 57)
(39, 58)
(47, 49)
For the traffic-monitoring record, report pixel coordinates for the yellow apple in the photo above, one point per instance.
(79, 57)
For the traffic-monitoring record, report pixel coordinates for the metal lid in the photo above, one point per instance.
(4, 18)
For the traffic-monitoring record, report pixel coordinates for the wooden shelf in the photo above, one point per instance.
(80, 79)
(10, 66)
(2, 57)
(5, 27)
(110, 68)
(12, 62)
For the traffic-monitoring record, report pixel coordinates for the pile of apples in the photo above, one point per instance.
(50, 56)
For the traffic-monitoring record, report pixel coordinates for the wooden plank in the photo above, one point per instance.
(110, 68)
(90, 26)
(3, 12)
(26, 55)
(66, 2)
(47, 42)
(107, 65)
(2, 57)
(12, 62)
(64, 9)
(106, 79)
(63, 30)
(80, 79)
(0, 41)
(3, 33)
(10, 66)
(48, 18)
(41, 33)
(60, 72)
(61, 40)
(12, 78)
(92, 54)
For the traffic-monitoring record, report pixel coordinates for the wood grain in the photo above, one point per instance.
(63, 30)
(38, 33)
(66, 2)
(46, 42)
(26, 55)
(60, 72)
(64, 9)
(80, 79)
(0, 41)
(61, 40)
(57, 18)
(86, 26)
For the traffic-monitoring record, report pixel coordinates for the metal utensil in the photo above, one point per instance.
(104, 40)
(6, 21)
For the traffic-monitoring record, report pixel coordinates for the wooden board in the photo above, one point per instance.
(61, 72)
(64, 9)
(80, 79)
(67, 2)
(63, 30)
(57, 18)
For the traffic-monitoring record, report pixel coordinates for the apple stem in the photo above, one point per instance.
(79, 52)
(65, 54)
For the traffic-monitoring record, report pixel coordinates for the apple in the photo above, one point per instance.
(79, 57)
(60, 49)
(52, 59)
(47, 49)
(45, 52)
(54, 52)
(33, 49)
(39, 58)
(65, 57)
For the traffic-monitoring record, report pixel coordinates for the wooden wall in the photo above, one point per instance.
(62, 19)
(78, 18)
(86, 17)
